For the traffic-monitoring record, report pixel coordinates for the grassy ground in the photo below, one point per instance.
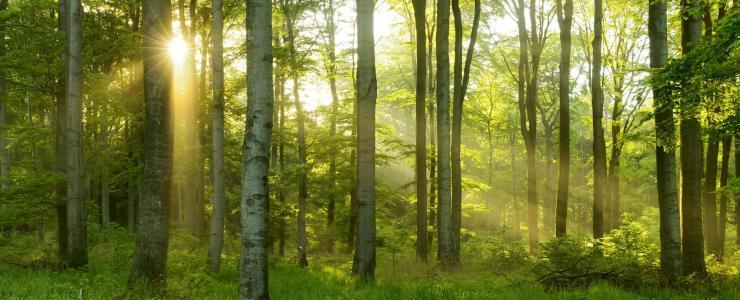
(29, 273)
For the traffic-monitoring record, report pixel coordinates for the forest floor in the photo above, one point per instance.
(28, 271)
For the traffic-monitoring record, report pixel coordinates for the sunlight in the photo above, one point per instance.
(177, 50)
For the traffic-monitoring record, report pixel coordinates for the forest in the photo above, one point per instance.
(369, 149)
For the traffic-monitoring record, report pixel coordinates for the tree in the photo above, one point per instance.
(150, 255)
(258, 135)
(597, 106)
(367, 89)
(691, 153)
(670, 234)
(444, 240)
(421, 130)
(4, 156)
(217, 131)
(73, 76)
(565, 19)
(709, 198)
(460, 87)
(724, 175)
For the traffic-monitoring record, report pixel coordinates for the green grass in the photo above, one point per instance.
(30, 274)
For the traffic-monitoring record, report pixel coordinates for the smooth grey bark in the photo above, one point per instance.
(75, 198)
(691, 153)
(460, 82)
(421, 143)
(216, 240)
(255, 194)
(150, 255)
(565, 20)
(665, 156)
(597, 107)
(445, 251)
(367, 89)
(724, 175)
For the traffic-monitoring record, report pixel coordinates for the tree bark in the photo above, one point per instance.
(4, 157)
(565, 19)
(60, 151)
(332, 72)
(255, 194)
(217, 132)
(709, 198)
(691, 154)
(75, 198)
(367, 88)
(737, 195)
(150, 256)
(421, 143)
(104, 184)
(597, 104)
(724, 175)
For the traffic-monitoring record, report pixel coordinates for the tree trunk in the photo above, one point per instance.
(565, 19)
(4, 157)
(216, 240)
(444, 242)
(724, 175)
(150, 256)
(75, 198)
(60, 151)
(548, 205)
(332, 73)
(421, 143)
(281, 190)
(709, 198)
(104, 185)
(691, 154)
(599, 147)
(364, 264)
(737, 195)
(255, 193)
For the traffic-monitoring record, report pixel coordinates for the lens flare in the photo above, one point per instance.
(177, 50)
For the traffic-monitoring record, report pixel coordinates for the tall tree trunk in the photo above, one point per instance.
(104, 185)
(611, 209)
(255, 196)
(421, 143)
(709, 198)
(444, 241)
(75, 198)
(597, 104)
(516, 220)
(724, 175)
(565, 19)
(332, 72)
(691, 154)
(60, 150)
(665, 156)
(4, 157)
(367, 89)
(460, 83)
(281, 160)
(216, 240)
(150, 256)
(432, 130)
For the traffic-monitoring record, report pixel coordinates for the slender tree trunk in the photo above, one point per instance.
(281, 190)
(565, 19)
(255, 197)
(670, 227)
(724, 175)
(217, 131)
(364, 264)
(332, 72)
(432, 130)
(516, 220)
(150, 256)
(75, 198)
(709, 198)
(104, 185)
(444, 242)
(421, 143)
(691, 154)
(4, 157)
(737, 195)
(599, 147)
(60, 151)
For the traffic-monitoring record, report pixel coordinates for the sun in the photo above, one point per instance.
(177, 49)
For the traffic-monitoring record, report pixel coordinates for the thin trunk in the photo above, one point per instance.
(332, 72)
(4, 157)
(281, 160)
(150, 256)
(60, 151)
(737, 195)
(724, 175)
(255, 194)
(548, 205)
(597, 106)
(364, 263)
(216, 240)
(691, 154)
(444, 242)
(709, 198)
(75, 198)
(104, 185)
(611, 209)
(421, 143)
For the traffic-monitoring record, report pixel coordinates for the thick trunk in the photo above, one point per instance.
(444, 242)
(150, 256)
(691, 155)
(364, 264)
(60, 152)
(565, 19)
(597, 106)
(216, 240)
(724, 175)
(75, 198)
(670, 227)
(256, 160)
(421, 143)
(709, 198)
